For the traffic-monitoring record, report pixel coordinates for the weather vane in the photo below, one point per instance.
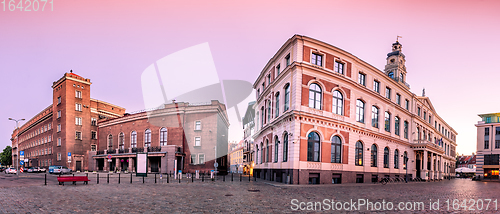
(397, 38)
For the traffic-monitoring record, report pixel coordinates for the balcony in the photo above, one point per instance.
(135, 150)
(100, 152)
(111, 151)
(154, 149)
(121, 151)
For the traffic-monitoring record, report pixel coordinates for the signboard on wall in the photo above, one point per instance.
(142, 164)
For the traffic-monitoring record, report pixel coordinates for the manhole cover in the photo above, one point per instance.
(228, 195)
(254, 190)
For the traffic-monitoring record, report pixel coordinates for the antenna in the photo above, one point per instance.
(397, 38)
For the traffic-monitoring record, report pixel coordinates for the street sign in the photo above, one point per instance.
(180, 171)
(109, 156)
(69, 159)
(216, 164)
(21, 162)
(22, 169)
(21, 153)
(69, 153)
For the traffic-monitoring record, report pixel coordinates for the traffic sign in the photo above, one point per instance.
(22, 169)
(21, 162)
(21, 153)
(109, 156)
(69, 153)
(216, 164)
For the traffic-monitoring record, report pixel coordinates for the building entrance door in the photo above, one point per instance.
(418, 168)
(78, 166)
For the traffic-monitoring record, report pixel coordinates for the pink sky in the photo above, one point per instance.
(450, 47)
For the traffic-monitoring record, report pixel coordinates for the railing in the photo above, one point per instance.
(135, 150)
(154, 149)
(111, 151)
(100, 152)
(121, 151)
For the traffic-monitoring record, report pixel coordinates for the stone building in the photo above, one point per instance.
(63, 132)
(248, 132)
(322, 115)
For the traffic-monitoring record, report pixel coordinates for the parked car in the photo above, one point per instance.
(32, 169)
(59, 170)
(42, 170)
(10, 171)
(2, 169)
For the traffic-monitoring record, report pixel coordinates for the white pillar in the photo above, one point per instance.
(424, 164)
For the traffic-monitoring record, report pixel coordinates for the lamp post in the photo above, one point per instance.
(17, 144)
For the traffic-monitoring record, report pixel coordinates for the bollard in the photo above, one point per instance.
(118, 178)
(240, 177)
(192, 178)
(45, 179)
(97, 178)
(224, 178)
(73, 175)
(203, 178)
(231, 177)
(179, 179)
(142, 179)
(155, 178)
(108, 178)
(254, 177)
(249, 177)
(130, 177)
(170, 174)
(168, 178)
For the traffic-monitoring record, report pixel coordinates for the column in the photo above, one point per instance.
(431, 172)
(424, 166)
(105, 165)
(130, 165)
(118, 164)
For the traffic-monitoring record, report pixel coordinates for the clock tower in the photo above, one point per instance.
(395, 67)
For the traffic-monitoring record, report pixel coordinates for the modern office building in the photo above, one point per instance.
(322, 115)
(176, 136)
(488, 146)
(62, 133)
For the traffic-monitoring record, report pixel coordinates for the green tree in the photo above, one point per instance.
(6, 156)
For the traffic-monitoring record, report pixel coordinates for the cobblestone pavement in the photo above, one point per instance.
(231, 197)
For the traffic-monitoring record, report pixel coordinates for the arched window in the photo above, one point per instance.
(263, 117)
(405, 159)
(276, 142)
(133, 139)
(121, 140)
(391, 75)
(269, 111)
(147, 138)
(257, 154)
(262, 152)
(285, 147)
(287, 97)
(375, 116)
(336, 149)
(386, 157)
(338, 103)
(163, 136)
(405, 126)
(313, 147)
(315, 96)
(396, 125)
(418, 134)
(387, 121)
(374, 156)
(360, 111)
(110, 142)
(267, 150)
(358, 154)
(277, 110)
(396, 159)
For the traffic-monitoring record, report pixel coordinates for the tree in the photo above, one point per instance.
(6, 156)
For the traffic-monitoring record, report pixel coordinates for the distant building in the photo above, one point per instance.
(467, 161)
(488, 145)
(177, 136)
(236, 158)
(63, 132)
(248, 132)
(325, 116)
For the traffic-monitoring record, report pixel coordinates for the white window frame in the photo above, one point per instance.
(58, 127)
(78, 135)
(199, 158)
(195, 141)
(78, 121)
(58, 156)
(58, 141)
(78, 94)
(78, 107)
(196, 127)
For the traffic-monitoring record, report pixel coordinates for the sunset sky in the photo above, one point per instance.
(451, 47)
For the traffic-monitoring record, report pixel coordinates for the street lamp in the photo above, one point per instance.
(17, 144)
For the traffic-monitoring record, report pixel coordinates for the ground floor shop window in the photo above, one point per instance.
(336, 178)
(359, 178)
(313, 178)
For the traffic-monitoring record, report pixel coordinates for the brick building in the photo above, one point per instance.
(62, 133)
(177, 136)
(325, 116)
